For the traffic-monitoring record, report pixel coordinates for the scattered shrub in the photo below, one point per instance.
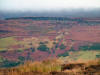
(8, 63)
(97, 56)
(43, 47)
(94, 46)
(64, 54)
(62, 46)
(41, 42)
(32, 49)
(21, 58)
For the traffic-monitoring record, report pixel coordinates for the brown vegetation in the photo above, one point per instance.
(54, 67)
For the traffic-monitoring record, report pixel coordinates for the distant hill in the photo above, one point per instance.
(45, 18)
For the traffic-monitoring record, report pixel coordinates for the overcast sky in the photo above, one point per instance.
(41, 5)
(71, 8)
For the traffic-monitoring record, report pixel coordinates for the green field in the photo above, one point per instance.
(82, 55)
(7, 42)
